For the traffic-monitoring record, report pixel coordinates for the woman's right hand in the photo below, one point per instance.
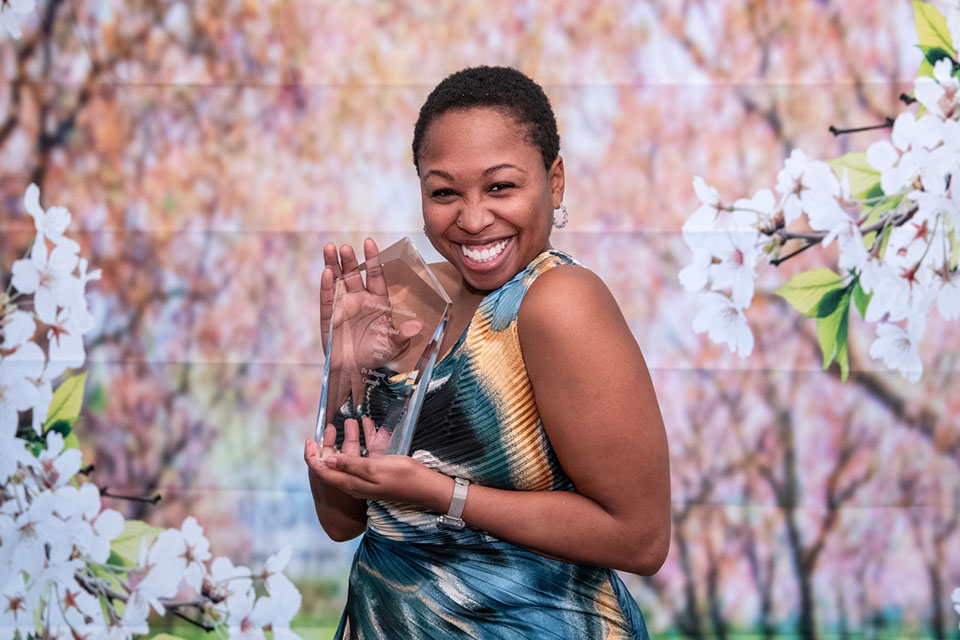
(365, 336)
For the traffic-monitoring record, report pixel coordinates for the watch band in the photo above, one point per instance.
(452, 518)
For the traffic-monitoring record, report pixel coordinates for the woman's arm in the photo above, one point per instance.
(597, 403)
(342, 516)
(600, 411)
(599, 408)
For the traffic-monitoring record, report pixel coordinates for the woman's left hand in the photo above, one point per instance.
(378, 477)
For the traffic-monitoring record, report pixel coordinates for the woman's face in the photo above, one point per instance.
(488, 201)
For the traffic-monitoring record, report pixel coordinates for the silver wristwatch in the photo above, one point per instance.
(452, 519)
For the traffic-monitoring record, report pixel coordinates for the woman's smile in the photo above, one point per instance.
(485, 256)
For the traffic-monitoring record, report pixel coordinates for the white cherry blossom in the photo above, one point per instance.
(12, 12)
(92, 528)
(939, 94)
(16, 609)
(738, 256)
(724, 322)
(709, 198)
(897, 289)
(242, 624)
(17, 392)
(65, 338)
(32, 529)
(955, 596)
(948, 297)
(698, 233)
(196, 551)
(50, 223)
(227, 581)
(74, 609)
(156, 577)
(13, 452)
(278, 608)
(59, 568)
(897, 348)
(58, 465)
(48, 278)
(18, 327)
(806, 186)
(78, 308)
(901, 162)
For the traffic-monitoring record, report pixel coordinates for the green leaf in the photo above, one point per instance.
(805, 290)
(126, 546)
(861, 299)
(863, 176)
(884, 240)
(67, 400)
(925, 70)
(843, 352)
(932, 28)
(829, 302)
(877, 209)
(63, 427)
(112, 576)
(166, 636)
(832, 332)
(114, 558)
(933, 55)
(70, 441)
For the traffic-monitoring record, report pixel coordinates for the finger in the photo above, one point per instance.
(379, 445)
(327, 292)
(376, 283)
(310, 456)
(408, 329)
(332, 259)
(353, 465)
(369, 430)
(351, 437)
(329, 441)
(351, 273)
(345, 482)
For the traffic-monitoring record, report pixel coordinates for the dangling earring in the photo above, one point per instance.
(563, 217)
(424, 228)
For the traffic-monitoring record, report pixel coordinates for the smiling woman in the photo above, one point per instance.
(540, 460)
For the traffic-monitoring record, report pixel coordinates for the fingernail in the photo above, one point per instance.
(331, 461)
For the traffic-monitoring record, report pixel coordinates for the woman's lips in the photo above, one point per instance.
(492, 263)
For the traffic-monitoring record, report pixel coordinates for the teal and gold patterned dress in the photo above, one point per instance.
(413, 579)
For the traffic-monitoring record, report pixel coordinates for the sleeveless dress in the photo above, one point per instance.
(411, 578)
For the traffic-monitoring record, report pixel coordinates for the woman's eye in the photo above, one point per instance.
(500, 186)
(443, 193)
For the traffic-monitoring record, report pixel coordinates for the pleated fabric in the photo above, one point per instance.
(411, 578)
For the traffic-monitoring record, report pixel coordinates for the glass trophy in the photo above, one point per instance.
(382, 342)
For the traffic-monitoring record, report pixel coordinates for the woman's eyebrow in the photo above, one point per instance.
(486, 172)
(437, 172)
(505, 165)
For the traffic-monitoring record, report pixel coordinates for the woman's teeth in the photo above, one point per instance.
(484, 253)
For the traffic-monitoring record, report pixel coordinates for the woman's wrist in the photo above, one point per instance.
(437, 492)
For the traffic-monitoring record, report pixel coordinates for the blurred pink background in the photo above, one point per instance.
(207, 151)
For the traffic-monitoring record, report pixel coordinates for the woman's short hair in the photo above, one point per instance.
(501, 88)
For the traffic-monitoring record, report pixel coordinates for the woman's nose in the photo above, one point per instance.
(475, 217)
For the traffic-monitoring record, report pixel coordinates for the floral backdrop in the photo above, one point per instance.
(208, 150)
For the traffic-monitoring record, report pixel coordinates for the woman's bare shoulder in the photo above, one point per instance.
(563, 298)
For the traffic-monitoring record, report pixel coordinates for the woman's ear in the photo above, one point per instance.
(555, 176)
